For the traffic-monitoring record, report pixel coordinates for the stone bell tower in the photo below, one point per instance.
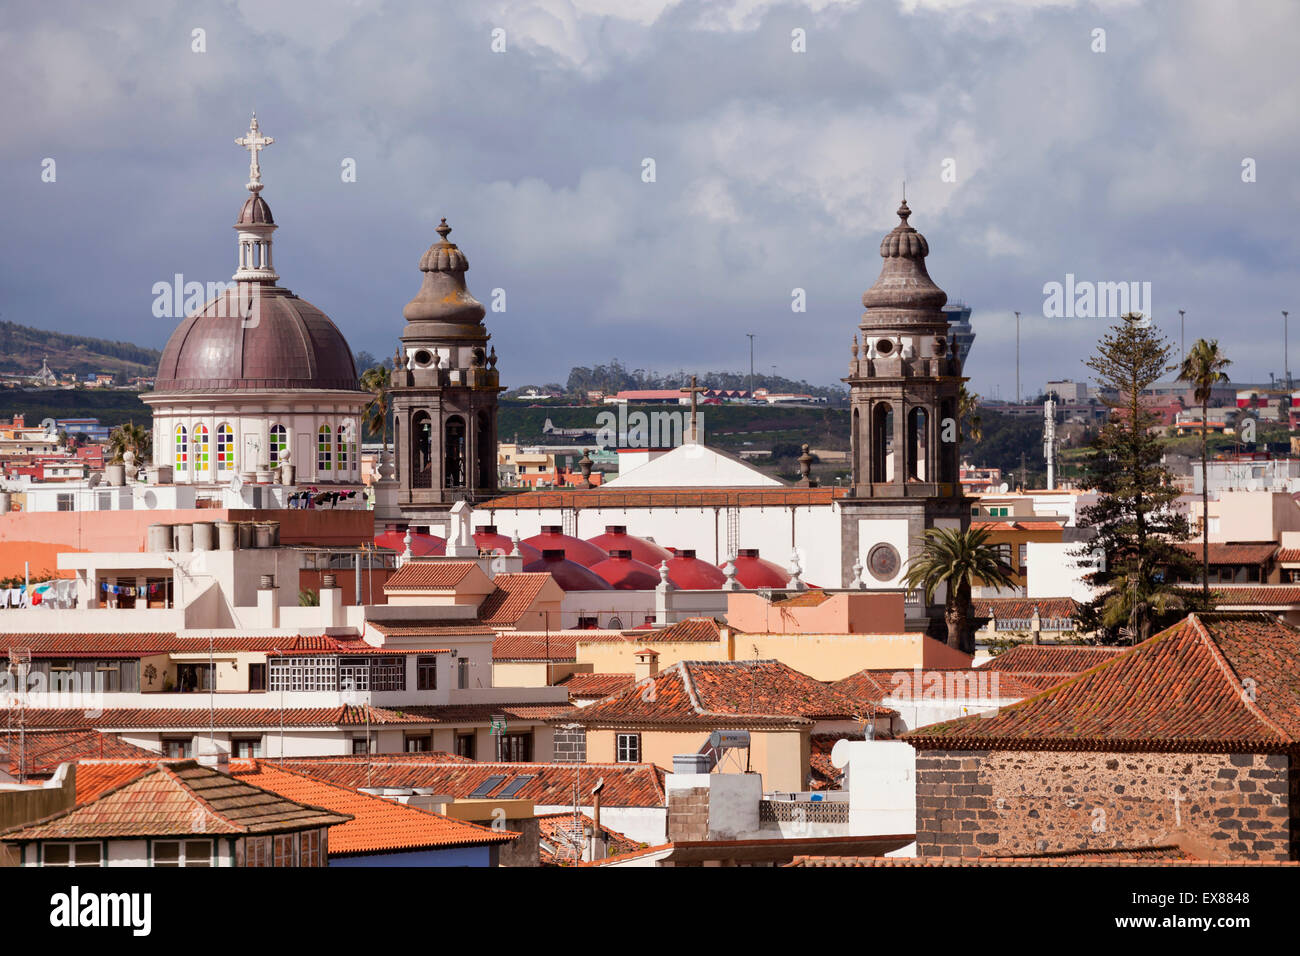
(905, 380)
(444, 393)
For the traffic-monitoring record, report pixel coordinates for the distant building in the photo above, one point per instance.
(44, 376)
(1067, 390)
(958, 316)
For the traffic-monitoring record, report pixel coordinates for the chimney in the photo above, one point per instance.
(268, 608)
(331, 602)
(647, 663)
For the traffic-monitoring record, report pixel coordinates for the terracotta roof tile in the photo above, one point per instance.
(179, 798)
(562, 844)
(1289, 555)
(1023, 608)
(626, 784)
(135, 645)
(197, 718)
(712, 693)
(514, 646)
(514, 595)
(589, 686)
(435, 575)
(939, 683)
(43, 750)
(1052, 658)
(692, 630)
(438, 630)
(1220, 683)
(665, 498)
(377, 824)
(1273, 595)
(1233, 553)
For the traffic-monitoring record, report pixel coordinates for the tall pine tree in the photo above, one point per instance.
(1137, 524)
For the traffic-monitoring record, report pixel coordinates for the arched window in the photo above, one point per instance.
(279, 444)
(918, 445)
(487, 463)
(882, 442)
(182, 449)
(225, 448)
(453, 472)
(345, 448)
(324, 449)
(199, 448)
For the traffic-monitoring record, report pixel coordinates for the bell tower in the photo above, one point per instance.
(444, 393)
(905, 379)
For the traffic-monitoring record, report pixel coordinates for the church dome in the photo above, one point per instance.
(552, 537)
(903, 283)
(288, 344)
(255, 212)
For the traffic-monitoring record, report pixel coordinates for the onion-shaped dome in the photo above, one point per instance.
(617, 538)
(755, 572)
(575, 549)
(569, 575)
(690, 573)
(903, 283)
(444, 308)
(255, 212)
(625, 573)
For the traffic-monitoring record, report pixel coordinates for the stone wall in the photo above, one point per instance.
(570, 744)
(1012, 803)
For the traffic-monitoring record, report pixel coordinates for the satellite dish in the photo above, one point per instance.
(1252, 485)
(1003, 488)
(95, 479)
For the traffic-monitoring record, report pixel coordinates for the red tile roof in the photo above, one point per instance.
(97, 777)
(1220, 683)
(934, 683)
(563, 843)
(595, 686)
(377, 825)
(179, 798)
(135, 645)
(1052, 658)
(197, 718)
(514, 595)
(692, 630)
(43, 750)
(1233, 553)
(429, 575)
(665, 498)
(515, 646)
(438, 630)
(1023, 608)
(626, 784)
(710, 693)
(1274, 595)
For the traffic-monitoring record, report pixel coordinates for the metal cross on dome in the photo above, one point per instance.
(254, 142)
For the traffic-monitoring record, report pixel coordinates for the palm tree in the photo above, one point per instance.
(968, 408)
(1203, 368)
(376, 381)
(133, 438)
(958, 558)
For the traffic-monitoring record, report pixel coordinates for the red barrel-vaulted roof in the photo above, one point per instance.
(755, 572)
(569, 575)
(625, 573)
(690, 573)
(421, 544)
(487, 538)
(616, 538)
(575, 549)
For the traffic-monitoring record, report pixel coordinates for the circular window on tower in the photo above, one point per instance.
(884, 346)
(423, 357)
(883, 562)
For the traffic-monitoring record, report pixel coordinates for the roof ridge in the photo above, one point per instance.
(1225, 666)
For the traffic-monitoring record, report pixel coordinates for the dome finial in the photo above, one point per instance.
(254, 142)
(443, 229)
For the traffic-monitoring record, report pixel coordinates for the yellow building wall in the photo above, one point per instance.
(619, 657)
(781, 756)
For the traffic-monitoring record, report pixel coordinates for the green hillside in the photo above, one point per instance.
(22, 348)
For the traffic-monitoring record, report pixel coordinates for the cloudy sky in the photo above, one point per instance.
(774, 169)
